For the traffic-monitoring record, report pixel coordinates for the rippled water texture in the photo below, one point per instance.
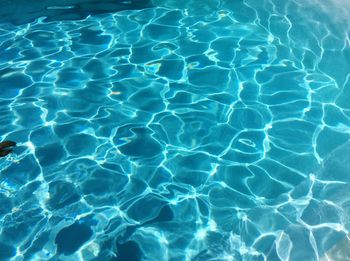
(192, 130)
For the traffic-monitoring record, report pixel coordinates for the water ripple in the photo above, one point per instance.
(216, 131)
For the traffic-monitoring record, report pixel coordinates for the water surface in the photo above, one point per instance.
(211, 130)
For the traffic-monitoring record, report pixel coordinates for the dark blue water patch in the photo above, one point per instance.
(171, 68)
(65, 130)
(81, 144)
(71, 238)
(223, 53)
(27, 192)
(128, 251)
(6, 121)
(33, 115)
(20, 11)
(12, 83)
(5, 204)
(102, 181)
(37, 245)
(141, 145)
(145, 209)
(21, 224)
(6, 251)
(95, 67)
(70, 78)
(165, 215)
(50, 154)
(170, 18)
(92, 38)
(204, 255)
(19, 174)
(42, 38)
(200, 60)
(62, 194)
(266, 245)
(213, 255)
(153, 102)
(209, 76)
(40, 136)
(160, 32)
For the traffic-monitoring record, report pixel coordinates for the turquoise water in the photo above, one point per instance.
(189, 130)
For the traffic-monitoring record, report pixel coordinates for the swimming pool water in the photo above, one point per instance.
(190, 130)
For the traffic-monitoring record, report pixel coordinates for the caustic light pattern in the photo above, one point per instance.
(184, 131)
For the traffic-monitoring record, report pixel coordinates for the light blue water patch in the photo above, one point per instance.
(211, 130)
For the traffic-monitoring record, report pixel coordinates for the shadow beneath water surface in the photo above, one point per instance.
(21, 11)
